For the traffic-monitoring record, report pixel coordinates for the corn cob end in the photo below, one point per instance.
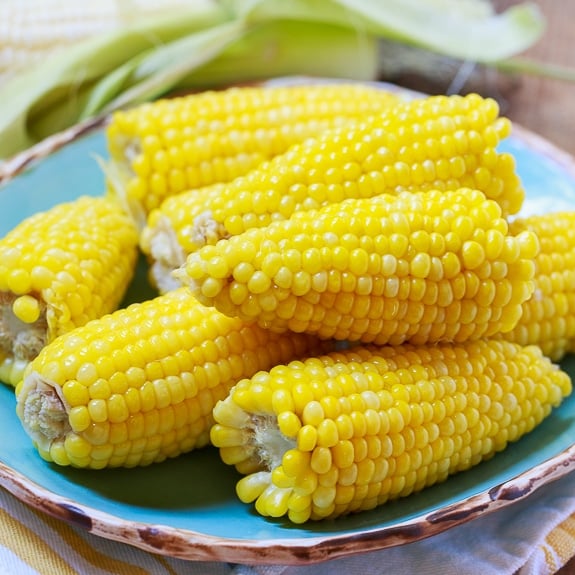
(42, 412)
(164, 252)
(23, 333)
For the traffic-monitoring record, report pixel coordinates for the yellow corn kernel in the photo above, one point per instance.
(388, 289)
(58, 270)
(437, 142)
(381, 463)
(548, 316)
(171, 362)
(26, 308)
(172, 145)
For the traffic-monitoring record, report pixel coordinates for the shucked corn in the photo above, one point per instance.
(169, 146)
(351, 430)
(437, 142)
(548, 316)
(167, 237)
(419, 267)
(138, 386)
(59, 269)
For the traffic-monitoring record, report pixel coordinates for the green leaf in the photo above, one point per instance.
(269, 51)
(522, 65)
(163, 68)
(466, 29)
(110, 86)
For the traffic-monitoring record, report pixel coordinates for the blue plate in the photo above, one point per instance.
(187, 507)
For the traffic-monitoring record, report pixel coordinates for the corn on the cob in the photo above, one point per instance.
(351, 430)
(59, 269)
(548, 316)
(138, 386)
(167, 237)
(415, 266)
(172, 145)
(433, 143)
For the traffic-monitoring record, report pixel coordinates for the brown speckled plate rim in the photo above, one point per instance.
(189, 545)
(196, 546)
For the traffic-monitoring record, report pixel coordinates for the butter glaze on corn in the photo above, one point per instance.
(419, 267)
(348, 431)
(438, 142)
(548, 316)
(138, 386)
(169, 146)
(59, 269)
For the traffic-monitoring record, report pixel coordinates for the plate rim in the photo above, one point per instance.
(24, 160)
(196, 546)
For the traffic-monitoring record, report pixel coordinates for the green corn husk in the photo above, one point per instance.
(466, 29)
(51, 97)
(218, 43)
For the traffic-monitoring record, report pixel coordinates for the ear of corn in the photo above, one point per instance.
(138, 386)
(169, 146)
(168, 236)
(58, 270)
(437, 142)
(548, 316)
(419, 267)
(351, 430)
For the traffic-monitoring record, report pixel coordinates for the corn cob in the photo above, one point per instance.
(59, 269)
(172, 145)
(350, 430)
(548, 316)
(437, 142)
(138, 386)
(415, 266)
(166, 239)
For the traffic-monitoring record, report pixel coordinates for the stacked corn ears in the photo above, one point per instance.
(346, 309)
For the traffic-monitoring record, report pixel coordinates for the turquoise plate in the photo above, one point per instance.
(187, 507)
